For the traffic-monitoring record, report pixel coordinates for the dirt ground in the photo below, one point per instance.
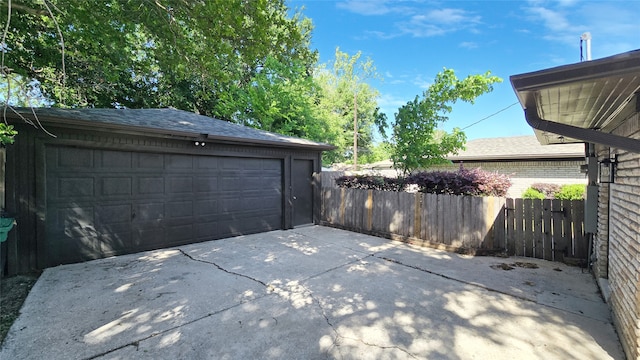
(13, 292)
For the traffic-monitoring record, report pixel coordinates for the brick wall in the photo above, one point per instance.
(624, 241)
(601, 245)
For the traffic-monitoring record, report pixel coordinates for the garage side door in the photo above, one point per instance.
(101, 203)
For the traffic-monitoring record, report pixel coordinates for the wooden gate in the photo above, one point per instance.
(546, 229)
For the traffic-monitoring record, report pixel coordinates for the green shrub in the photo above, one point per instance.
(532, 193)
(571, 192)
(548, 190)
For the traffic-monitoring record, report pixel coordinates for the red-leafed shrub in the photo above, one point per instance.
(371, 182)
(474, 182)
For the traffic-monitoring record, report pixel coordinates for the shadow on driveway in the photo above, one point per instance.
(312, 293)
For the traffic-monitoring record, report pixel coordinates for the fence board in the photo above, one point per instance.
(559, 240)
(407, 203)
(510, 220)
(346, 205)
(328, 178)
(499, 225)
(388, 212)
(440, 214)
(477, 221)
(369, 206)
(566, 228)
(528, 227)
(430, 209)
(519, 228)
(417, 216)
(546, 230)
(537, 230)
(490, 205)
(451, 221)
(465, 226)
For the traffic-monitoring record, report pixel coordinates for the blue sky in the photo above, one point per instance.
(411, 41)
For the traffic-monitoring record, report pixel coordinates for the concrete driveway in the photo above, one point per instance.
(312, 293)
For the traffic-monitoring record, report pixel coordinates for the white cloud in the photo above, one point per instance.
(421, 82)
(567, 3)
(371, 7)
(468, 45)
(613, 25)
(413, 19)
(380, 35)
(451, 16)
(389, 104)
(553, 20)
(437, 22)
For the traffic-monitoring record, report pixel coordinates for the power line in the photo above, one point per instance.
(494, 114)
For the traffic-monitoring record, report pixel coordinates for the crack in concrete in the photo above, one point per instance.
(523, 298)
(223, 269)
(383, 347)
(337, 267)
(337, 336)
(136, 343)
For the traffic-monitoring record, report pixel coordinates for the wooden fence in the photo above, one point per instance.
(545, 229)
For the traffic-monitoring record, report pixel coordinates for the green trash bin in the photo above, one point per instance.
(6, 224)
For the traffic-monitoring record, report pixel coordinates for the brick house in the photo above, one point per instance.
(598, 103)
(522, 158)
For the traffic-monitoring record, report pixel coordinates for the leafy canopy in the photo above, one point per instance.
(417, 141)
(245, 61)
(339, 81)
(142, 54)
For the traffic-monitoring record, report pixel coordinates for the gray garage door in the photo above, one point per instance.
(101, 203)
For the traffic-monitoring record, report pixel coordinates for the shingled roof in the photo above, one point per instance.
(512, 148)
(165, 122)
(515, 148)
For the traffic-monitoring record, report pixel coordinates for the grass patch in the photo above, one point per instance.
(13, 292)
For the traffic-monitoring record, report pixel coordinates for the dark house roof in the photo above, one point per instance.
(582, 102)
(515, 148)
(164, 122)
(512, 148)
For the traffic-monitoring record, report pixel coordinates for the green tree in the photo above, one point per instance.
(280, 98)
(141, 54)
(417, 141)
(342, 82)
(377, 152)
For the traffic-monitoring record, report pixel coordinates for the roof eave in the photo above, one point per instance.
(528, 87)
(56, 121)
(523, 157)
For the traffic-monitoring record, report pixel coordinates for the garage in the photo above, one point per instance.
(123, 181)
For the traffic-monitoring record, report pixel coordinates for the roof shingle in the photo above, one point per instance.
(167, 121)
(516, 147)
